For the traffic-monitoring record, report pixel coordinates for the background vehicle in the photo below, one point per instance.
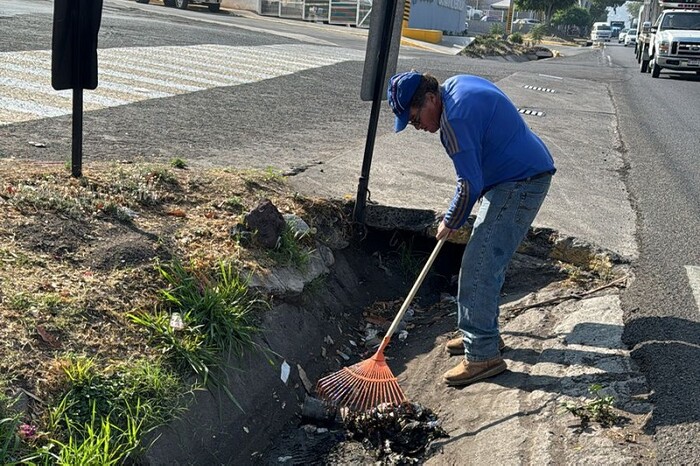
(601, 32)
(631, 37)
(473, 13)
(491, 19)
(214, 5)
(621, 36)
(526, 21)
(673, 41)
(616, 27)
(649, 13)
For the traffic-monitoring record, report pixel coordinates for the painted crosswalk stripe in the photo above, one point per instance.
(30, 108)
(46, 89)
(693, 272)
(132, 92)
(128, 75)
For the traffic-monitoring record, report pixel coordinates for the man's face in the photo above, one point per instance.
(427, 116)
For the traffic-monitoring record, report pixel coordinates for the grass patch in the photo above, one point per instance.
(410, 262)
(599, 409)
(11, 447)
(178, 163)
(216, 312)
(291, 249)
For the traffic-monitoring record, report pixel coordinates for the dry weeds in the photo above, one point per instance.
(77, 255)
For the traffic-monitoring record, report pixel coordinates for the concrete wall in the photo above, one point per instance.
(251, 5)
(441, 15)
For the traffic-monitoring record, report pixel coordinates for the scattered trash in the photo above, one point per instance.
(284, 459)
(343, 355)
(247, 431)
(402, 432)
(328, 340)
(403, 334)
(37, 144)
(308, 386)
(447, 298)
(284, 375)
(176, 322)
(371, 333)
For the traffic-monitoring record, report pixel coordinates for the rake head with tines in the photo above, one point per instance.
(370, 382)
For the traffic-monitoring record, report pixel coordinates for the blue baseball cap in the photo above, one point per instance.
(400, 92)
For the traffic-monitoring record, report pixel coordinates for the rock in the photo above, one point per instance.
(267, 221)
(297, 224)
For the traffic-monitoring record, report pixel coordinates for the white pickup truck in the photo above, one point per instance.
(674, 43)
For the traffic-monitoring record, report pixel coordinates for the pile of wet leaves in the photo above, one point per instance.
(397, 434)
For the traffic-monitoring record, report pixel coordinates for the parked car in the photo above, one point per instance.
(621, 36)
(491, 19)
(473, 13)
(631, 37)
(531, 21)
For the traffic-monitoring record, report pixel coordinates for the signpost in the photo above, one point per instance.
(382, 53)
(74, 60)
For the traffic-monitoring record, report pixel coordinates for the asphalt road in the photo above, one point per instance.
(659, 124)
(223, 89)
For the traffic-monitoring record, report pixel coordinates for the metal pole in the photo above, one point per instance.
(380, 72)
(77, 148)
(77, 143)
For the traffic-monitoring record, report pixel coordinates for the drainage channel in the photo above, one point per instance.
(336, 323)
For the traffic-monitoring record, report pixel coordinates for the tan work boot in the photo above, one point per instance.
(455, 346)
(467, 372)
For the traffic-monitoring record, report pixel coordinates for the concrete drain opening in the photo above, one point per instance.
(337, 321)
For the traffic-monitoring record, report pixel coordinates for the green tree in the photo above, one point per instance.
(572, 16)
(633, 9)
(548, 7)
(599, 9)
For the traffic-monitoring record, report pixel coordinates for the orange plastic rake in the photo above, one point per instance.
(370, 382)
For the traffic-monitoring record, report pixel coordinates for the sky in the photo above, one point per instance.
(620, 15)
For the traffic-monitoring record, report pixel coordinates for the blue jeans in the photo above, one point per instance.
(505, 215)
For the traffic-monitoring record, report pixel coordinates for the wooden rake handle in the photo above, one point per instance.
(412, 293)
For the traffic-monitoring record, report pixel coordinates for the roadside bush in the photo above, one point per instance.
(516, 38)
(538, 32)
(497, 30)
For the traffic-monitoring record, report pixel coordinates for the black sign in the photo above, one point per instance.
(74, 47)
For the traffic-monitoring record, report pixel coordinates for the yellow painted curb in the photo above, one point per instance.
(425, 35)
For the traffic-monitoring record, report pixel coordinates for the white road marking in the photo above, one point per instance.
(128, 75)
(693, 272)
(550, 76)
